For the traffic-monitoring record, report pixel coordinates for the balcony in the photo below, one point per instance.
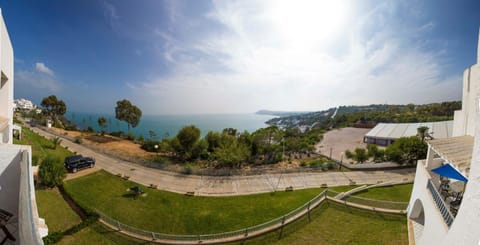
(443, 207)
(447, 193)
(19, 221)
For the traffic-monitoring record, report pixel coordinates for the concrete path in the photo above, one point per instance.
(228, 185)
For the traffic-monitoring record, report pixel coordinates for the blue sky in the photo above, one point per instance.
(182, 57)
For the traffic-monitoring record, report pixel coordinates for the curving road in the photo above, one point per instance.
(227, 185)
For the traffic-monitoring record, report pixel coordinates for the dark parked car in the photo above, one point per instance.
(75, 163)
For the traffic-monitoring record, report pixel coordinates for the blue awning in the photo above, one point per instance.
(449, 171)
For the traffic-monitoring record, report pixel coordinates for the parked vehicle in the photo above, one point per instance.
(78, 162)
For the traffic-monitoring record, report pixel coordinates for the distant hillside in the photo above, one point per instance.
(344, 116)
(280, 113)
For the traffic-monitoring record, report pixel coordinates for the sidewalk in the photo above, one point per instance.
(229, 185)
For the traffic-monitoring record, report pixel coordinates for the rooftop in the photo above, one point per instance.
(456, 150)
(437, 130)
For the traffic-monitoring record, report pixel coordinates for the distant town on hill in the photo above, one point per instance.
(364, 116)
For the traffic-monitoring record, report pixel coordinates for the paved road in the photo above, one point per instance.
(228, 185)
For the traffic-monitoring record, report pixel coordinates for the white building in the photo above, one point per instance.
(19, 221)
(24, 104)
(444, 210)
(385, 134)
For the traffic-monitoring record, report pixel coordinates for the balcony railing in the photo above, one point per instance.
(447, 216)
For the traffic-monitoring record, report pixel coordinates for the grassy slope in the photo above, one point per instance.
(41, 147)
(168, 212)
(99, 235)
(397, 193)
(335, 224)
(56, 212)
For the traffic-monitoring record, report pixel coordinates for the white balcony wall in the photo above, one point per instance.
(435, 230)
(17, 194)
(6, 83)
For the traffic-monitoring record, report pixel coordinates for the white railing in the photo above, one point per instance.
(442, 207)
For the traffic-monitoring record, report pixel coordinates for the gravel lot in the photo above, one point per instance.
(340, 140)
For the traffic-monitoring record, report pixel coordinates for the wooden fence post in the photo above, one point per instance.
(308, 211)
(281, 228)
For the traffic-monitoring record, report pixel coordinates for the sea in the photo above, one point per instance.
(166, 126)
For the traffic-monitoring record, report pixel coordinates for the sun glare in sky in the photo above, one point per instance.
(305, 23)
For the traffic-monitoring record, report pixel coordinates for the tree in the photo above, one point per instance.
(360, 155)
(372, 150)
(230, 131)
(187, 137)
(348, 154)
(213, 139)
(152, 134)
(422, 132)
(54, 107)
(55, 141)
(102, 122)
(407, 150)
(51, 172)
(232, 154)
(129, 113)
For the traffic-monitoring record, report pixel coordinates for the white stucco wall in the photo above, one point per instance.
(6, 88)
(466, 228)
(464, 121)
(435, 230)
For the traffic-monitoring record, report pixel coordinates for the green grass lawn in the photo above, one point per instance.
(55, 210)
(99, 235)
(330, 224)
(396, 193)
(173, 213)
(41, 147)
(336, 224)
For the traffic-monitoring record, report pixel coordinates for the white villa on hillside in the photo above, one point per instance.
(19, 221)
(23, 104)
(445, 203)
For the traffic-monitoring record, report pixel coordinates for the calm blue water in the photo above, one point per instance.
(168, 125)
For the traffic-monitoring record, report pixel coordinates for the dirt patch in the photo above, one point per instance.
(340, 140)
(125, 147)
(107, 143)
(66, 132)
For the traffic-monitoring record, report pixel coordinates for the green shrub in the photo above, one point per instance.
(117, 133)
(187, 169)
(34, 160)
(330, 165)
(149, 146)
(130, 136)
(51, 172)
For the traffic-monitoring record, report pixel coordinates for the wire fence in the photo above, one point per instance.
(243, 234)
(237, 235)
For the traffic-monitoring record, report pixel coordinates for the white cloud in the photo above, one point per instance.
(41, 67)
(36, 82)
(248, 65)
(110, 14)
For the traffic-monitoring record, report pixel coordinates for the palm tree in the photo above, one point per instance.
(56, 141)
(422, 132)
